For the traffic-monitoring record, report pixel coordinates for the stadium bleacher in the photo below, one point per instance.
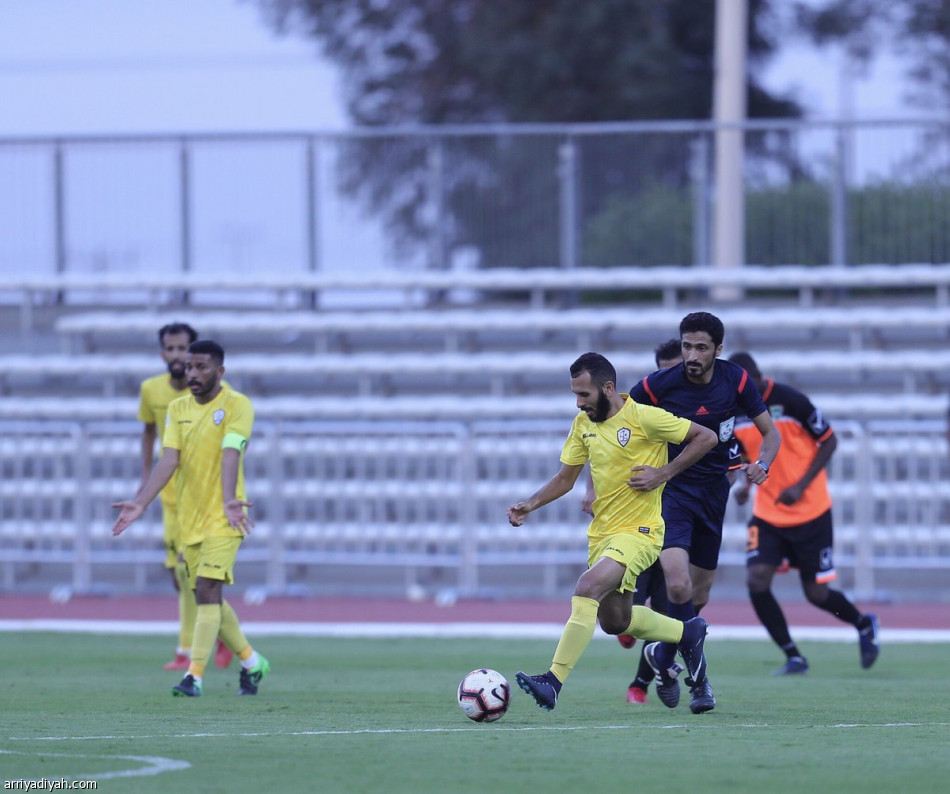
(344, 475)
(844, 327)
(837, 405)
(492, 373)
(925, 283)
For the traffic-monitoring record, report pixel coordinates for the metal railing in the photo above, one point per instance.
(448, 197)
(404, 498)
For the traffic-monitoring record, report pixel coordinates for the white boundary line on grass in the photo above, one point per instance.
(494, 727)
(524, 631)
(154, 765)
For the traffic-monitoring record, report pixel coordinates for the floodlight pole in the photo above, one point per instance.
(729, 111)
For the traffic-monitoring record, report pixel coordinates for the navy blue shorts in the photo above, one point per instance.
(651, 586)
(693, 517)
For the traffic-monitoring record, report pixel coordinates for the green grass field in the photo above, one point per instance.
(365, 715)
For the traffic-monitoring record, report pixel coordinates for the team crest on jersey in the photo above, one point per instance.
(726, 428)
(218, 416)
(623, 436)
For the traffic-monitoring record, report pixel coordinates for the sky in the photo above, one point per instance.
(143, 66)
(132, 66)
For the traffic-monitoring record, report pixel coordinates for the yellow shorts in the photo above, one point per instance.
(637, 552)
(170, 535)
(213, 558)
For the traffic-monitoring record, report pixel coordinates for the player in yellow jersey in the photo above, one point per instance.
(205, 436)
(155, 394)
(626, 444)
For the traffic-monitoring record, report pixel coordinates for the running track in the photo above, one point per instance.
(396, 611)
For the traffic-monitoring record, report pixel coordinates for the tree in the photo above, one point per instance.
(439, 62)
(917, 30)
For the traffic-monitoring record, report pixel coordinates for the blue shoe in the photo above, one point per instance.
(701, 697)
(667, 685)
(187, 688)
(691, 648)
(250, 679)
(795, 665)
(870, 645)
(540, 688)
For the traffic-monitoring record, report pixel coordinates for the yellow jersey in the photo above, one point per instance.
(636, 435)
(198, 432)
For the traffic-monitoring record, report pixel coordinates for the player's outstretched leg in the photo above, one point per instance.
(637, 691)
(188, 687)
(701, 697)
(181, 661)
(251, 676)
(543, 688)
(869, 642)
(222, 655)
(668, 685)
(692, 648)
(794, 665)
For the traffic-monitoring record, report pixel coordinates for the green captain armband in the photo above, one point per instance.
(234, 441)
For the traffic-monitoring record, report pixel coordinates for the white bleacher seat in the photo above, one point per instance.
(497, 368)
(855, 323)
(803, 282)
(857, 405)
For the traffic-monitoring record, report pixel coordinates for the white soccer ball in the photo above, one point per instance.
(484, 695)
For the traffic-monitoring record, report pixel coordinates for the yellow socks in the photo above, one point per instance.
(576, 636)
(230, 632)
(649, 625)
(207, 626)
(187, 608)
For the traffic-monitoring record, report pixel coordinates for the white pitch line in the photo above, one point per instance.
(523, 631)
(154, 765)
(494, 727)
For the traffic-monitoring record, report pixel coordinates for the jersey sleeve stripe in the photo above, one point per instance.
(649, 391)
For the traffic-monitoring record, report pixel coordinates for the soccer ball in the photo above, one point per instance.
(484, 695)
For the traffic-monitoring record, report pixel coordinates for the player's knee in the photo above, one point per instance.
(585, 588)
(679, 590)
(758, 578)
(613, 624)
(757, 584)
(208, 591)
(816, 593)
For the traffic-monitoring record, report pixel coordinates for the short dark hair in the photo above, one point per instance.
(600, 369)
(746, 361)
(697, 322)
(208, 348)
(177, 328)
(671, 348)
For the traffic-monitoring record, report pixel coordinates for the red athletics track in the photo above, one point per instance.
(377, 610)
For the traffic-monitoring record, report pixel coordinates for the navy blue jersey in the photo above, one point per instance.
(714, 405)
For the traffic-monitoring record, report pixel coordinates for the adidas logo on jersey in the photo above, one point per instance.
(702, 411)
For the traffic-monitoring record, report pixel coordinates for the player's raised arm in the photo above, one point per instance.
(699, 440)
(556, 487)
(590, 496)
(149, 434)
(132, 509)
(758, 472)
(234, 508)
